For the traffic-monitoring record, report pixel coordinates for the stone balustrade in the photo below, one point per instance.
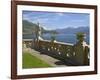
(75, 54)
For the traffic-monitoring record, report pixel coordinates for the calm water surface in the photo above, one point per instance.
(68, 38)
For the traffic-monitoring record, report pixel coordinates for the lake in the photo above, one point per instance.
(68, 38)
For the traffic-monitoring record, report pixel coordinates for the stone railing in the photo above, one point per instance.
(75, 54)
(56, 47)
(69, 53)
(27, 43)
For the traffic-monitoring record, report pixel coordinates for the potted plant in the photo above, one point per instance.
(80, 37)
(53, 36)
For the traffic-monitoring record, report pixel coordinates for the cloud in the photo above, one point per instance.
(80, 21)
(60, 14)
(51, 20)
(41, 20)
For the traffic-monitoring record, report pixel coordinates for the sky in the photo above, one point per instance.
(57, 20)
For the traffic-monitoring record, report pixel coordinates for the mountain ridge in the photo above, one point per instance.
(29, 28)
(71, 30)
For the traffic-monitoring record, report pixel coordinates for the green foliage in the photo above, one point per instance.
(80, 36)
(29, 28)
(30, 61)
(53, 36)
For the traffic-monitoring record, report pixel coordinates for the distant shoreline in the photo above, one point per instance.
(67, 38)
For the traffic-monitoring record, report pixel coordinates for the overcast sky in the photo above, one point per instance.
(57, 20)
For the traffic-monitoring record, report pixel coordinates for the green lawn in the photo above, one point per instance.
(30, 61)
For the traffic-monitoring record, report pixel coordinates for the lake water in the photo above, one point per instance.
(68, 38)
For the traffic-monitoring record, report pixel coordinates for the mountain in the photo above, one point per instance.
(71, 30)
(29, 28)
